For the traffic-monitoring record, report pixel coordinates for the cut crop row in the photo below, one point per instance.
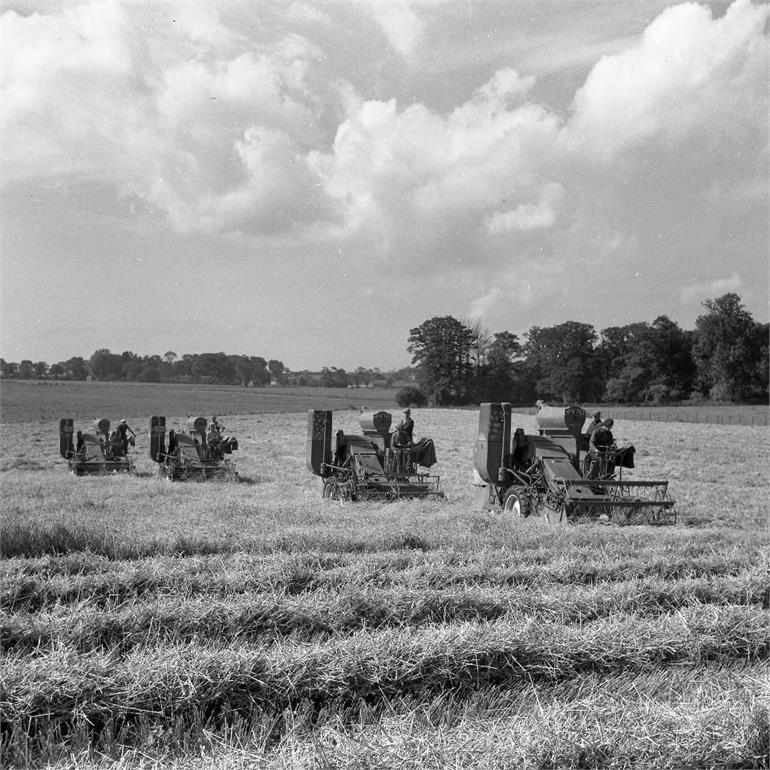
(365, 667)
(317, 614)
(293, 574)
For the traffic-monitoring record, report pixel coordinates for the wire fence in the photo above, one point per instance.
(727, 415)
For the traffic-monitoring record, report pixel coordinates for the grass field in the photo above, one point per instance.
(148, 624)
(49, 400)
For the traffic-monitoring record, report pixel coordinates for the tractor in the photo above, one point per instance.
(543, 475)
(96, 453)
(374, 466)
(191, 455)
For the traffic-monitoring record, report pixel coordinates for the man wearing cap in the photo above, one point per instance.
(122, 432)
(602, 450)
(594, 424)
(407, 425)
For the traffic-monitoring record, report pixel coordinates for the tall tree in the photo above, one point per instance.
(500, 376)
(277, 370)
(562, 361)
(104, 365)
(442, 350)
(728, 344)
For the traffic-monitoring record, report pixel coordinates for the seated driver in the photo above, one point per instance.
(601, 450)
(404, 433)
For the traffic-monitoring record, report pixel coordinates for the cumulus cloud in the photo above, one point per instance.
(700, 290)
(221, 133)
(398, 22)
(688, 72)
(216, 142)
(424, 179)
(528, 216)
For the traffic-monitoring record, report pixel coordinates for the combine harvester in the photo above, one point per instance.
(191, 455)
(542, 475)
(93, 454)
(372, 466)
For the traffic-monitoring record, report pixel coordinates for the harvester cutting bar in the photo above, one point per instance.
(614, 483)
(620, 502)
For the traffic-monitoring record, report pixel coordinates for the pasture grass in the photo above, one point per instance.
(150, 624)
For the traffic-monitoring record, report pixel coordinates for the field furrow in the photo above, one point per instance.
(322, 613)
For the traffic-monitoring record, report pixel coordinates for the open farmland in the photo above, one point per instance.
(255, 625)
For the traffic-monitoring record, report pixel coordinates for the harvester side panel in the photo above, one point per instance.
(66, 443)
(157, 437)
(319, 440)
(493, 442)
(375, 422)
(93, 448)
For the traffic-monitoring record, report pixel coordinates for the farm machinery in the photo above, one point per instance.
(543, 475)
(95, 453)
(376, 465)
(195, 454)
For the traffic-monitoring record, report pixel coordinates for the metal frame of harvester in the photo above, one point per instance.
(543, 475)
(92, 454)
(368, 467)
(187, 456)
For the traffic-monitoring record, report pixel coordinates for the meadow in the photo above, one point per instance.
(150, 624)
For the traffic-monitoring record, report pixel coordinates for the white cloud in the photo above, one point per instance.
(399, 23)
(481, 306)
(306, 14)
(689, 72)
(220, 133)
(201, 22)
(700, 290)
(528, 216)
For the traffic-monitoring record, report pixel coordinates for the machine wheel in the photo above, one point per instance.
(331, 490)
(517, 503)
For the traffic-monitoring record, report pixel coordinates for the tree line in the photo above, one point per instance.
(725, 358)
(198, 368)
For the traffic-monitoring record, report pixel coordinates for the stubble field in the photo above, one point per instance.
(146, 623)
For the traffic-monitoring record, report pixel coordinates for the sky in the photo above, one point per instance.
(308, 181)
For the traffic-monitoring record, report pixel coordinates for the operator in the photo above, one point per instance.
(122, 431)
(115, 446)
(602, 446)
(406, 425)
(214, 433)
(594, 424)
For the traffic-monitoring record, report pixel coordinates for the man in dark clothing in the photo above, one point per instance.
(406, 426)
(602, 450)
(122, 431)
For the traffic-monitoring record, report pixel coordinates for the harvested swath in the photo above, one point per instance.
(318, 614)
(126, 581)
(365, 667)
(709, 715)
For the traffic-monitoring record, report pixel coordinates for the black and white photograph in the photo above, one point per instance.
(384, 384)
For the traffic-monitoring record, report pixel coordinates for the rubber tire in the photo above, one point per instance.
(330, 490)
(517, 503)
